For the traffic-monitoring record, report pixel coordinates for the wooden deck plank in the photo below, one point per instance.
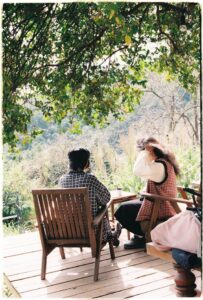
(131, 274)
(110, 279)
(78, 272)
(129, 288)
(151, 266)
(32, 261)
(168, 291)
(25, 240)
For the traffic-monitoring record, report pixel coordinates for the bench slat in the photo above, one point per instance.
(165, 255)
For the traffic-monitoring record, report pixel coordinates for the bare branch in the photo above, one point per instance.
(114, 52)
(183, 113)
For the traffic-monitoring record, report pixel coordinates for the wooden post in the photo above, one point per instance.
(185, 282)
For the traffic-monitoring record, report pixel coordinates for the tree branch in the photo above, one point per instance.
(173, 7)
(37, 32)
(142, 18)
(161, 32)
(183, 113)
(73, 54)
(114, 52)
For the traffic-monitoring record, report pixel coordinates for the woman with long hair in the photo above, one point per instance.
(159, 167)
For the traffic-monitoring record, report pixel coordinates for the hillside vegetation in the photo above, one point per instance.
(166, 112)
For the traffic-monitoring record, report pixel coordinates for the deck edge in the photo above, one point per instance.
(10, 286)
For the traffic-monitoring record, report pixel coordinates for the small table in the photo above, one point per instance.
(119, 196)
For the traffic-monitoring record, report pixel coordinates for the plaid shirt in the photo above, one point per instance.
(98, 193)
(165, 188)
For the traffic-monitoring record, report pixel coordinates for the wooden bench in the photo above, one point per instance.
(156, 199)
(184, 278)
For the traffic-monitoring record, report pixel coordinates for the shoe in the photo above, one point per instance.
(135, 243)
(116, 234)
(116, 243)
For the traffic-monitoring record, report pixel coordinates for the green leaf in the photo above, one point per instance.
(128, 40)
(112, 13)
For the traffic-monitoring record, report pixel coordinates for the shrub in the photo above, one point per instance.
(43, 167)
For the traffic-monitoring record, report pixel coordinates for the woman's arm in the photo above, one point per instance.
(148, 169)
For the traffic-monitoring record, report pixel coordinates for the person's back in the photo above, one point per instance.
(98, 194)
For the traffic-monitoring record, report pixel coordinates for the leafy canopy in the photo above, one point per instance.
(88, 60)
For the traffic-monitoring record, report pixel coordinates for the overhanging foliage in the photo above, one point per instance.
(87, 60)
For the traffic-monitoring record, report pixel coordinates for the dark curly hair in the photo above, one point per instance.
(78, 159)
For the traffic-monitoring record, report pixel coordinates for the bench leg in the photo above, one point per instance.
(184, 281)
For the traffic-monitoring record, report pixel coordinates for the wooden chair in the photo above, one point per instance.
(157, 199)
(184, 278)
(65, 219)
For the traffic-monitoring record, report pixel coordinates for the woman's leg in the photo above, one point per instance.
(126, 215)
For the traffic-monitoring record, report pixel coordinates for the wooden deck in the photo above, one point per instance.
(132, 274)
